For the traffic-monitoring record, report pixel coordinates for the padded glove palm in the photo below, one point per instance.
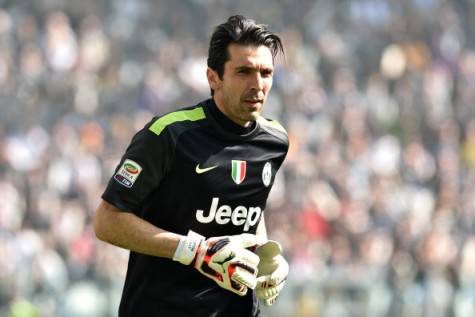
(223, 259)
(272, 272)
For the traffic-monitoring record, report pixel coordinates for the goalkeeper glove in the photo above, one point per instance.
(272, 272)
(223, 259)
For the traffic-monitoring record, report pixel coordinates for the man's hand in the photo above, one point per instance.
(223, 259)
(272, 272)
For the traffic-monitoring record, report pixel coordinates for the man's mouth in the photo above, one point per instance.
(253, 101)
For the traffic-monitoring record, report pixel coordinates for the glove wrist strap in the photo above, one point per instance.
(187, 248)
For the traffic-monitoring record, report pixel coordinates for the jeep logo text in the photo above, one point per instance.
(225, 214)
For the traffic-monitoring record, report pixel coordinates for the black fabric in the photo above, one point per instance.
(170, 194)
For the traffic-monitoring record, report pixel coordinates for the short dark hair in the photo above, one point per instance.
(239, 30)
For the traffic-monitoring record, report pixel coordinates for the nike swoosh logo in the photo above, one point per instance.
(204, 170)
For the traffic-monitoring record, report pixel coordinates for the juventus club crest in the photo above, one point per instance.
(267, 174)
(238, 171)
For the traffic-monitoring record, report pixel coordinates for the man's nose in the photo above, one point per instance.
(257, 82)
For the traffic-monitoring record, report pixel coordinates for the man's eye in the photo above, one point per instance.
(267, 74)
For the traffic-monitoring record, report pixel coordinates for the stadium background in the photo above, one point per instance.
(374, 206)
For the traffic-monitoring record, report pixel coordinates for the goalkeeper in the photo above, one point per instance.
(188, 196)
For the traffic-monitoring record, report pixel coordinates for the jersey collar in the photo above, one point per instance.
(225, 124)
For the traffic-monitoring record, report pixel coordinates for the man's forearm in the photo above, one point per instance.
(128, 231)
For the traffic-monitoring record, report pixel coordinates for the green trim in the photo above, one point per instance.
(182, 115)
(272, 124)
(234, 171)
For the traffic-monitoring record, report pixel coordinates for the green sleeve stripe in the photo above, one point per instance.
(272, 124)
(278, 126)
(182, 115)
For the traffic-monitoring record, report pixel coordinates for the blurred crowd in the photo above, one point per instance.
(375, 205)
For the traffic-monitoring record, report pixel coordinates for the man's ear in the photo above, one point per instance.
(213, 79)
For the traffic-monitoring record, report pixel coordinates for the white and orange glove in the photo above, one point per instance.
(272, 272)
(223, 259)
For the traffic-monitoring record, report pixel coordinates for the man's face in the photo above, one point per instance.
(246, 82)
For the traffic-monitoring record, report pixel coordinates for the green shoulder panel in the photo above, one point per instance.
(181, 115)
(271, 125)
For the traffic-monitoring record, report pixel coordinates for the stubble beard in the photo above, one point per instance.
(246, 115)
(238, 111)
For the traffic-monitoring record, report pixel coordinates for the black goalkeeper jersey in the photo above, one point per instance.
(193, 169)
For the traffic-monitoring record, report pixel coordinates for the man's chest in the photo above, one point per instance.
(232, 170)
(216, 187)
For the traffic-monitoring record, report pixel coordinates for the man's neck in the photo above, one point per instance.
(228, 124)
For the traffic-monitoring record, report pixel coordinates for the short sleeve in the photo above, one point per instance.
(140, 170)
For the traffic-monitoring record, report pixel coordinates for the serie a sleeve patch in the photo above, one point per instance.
(128, 173)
